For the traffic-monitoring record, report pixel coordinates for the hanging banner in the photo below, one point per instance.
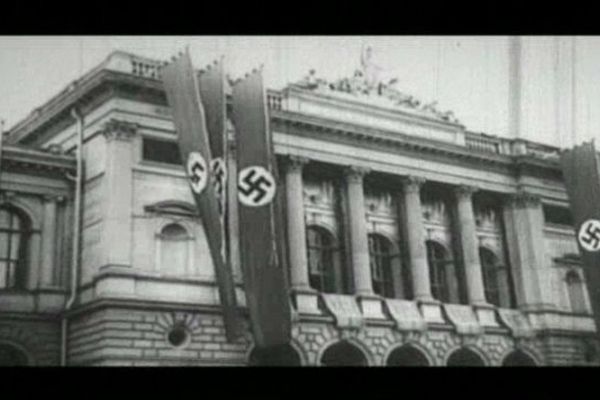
(582, 180)
(263, 262)
(190, 123)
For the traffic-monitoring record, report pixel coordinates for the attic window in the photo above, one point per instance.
(163, 151)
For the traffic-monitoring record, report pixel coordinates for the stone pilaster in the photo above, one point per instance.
(359, 242)
(49, 241)
(117, 231)
(524, 221)
(413, 219)
(470, 254)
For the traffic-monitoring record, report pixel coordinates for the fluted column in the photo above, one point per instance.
(416, 240)
(296, 223)
(468, 244)
(49, 234)
(358, 231)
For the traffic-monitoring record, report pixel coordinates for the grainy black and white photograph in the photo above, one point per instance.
(294, 201)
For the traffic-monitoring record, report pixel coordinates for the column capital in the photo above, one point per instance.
(296, 163)
(119, 130)
(465, 191)
(524, 199)
(355, 174)
(412, 183)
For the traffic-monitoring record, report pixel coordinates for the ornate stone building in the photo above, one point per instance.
(411, 240)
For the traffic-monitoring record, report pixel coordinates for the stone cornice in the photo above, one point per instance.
(393, 139)
(26, 160)
(58, 108)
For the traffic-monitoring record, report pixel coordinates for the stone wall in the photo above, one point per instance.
(132, 337)
(39, 339)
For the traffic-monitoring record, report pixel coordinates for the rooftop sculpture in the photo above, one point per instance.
(367, 82)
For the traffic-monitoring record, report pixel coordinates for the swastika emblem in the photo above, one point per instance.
(589, 235)
(256, 186)
(197, 172)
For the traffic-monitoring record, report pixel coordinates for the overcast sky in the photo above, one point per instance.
(465, 74)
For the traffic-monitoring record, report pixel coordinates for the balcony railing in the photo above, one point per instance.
(483, 143)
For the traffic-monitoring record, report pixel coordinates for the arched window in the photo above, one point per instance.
(576, 292)
(343, 354)
(518, 358)
(14, 235)
(323, 261)
(11, 356)
(382, 271)
(465, 358)
(277, 356)
(407, 356)
(174, 244)
(440, 270)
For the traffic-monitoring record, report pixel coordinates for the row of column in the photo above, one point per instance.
(359, 235)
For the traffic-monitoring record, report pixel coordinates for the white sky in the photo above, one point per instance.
(465, 74)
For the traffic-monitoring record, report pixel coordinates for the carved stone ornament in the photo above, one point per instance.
(412, 184)
(355, 174)
(465, 191)
(296, 163)
(119, 130)
(525, 199)
(367, 81)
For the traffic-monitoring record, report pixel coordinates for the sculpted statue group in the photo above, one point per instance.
(367, 81)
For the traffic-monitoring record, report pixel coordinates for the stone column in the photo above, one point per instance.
(524, 221)
(413, 218)
(358, 231)
(469, 250)
(296, 223)
(305, 296)
(49, 239)
(468, 244)
(416, 241)
(117, 230)
(359, 242)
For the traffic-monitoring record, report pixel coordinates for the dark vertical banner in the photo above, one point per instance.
(211, 84)
(263, 263)
(190, 123)
(582, 180)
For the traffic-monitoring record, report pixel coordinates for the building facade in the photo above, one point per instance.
(411, 240)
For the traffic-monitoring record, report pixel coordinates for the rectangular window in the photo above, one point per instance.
(163, 151)
(554, 215)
